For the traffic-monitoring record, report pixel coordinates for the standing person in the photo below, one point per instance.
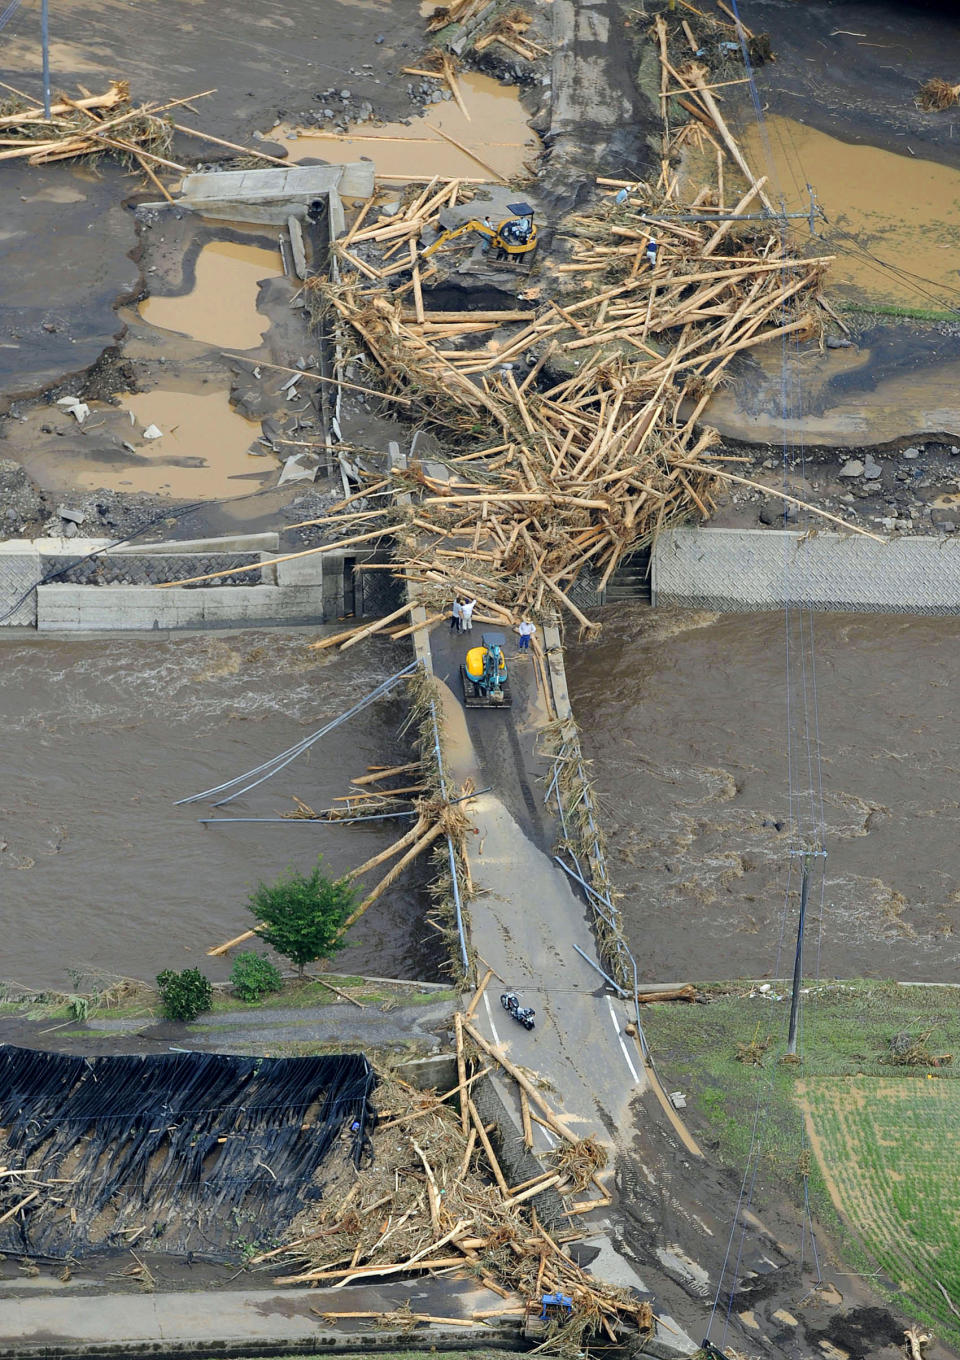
(456, 620)
(526, 631)
(466, 615)
(652, 249)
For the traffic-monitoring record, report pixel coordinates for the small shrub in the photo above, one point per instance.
(184, 996)
(253, 976)
(79, 1008)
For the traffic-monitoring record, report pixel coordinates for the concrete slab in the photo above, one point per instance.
(743, 570)
(271, 195)
(238, 1322)
(145, 609)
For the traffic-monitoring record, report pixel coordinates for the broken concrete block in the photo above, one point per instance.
(295, 471)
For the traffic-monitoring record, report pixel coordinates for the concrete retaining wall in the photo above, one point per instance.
(298, 592)
(747, 570)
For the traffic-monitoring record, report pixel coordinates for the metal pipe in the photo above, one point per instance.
(606, 976)
(293, 751)
(306, 821)
(798, 960)
(599, 896)
(45, 41)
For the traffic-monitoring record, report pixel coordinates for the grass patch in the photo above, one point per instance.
(886, 1138)
(890, 309)
(144, 1003)
(888, 1148)
(482, 1353)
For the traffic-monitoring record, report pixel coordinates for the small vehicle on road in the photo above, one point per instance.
(522, 1014)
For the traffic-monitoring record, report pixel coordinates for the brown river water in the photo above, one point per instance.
(99, 869)
(685, 718)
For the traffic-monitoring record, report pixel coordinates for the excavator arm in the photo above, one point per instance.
(445, 236)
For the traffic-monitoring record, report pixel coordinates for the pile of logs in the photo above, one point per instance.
(435, 1199)
(107, 124)
(576, 468)
(581, 414)
(509, 28)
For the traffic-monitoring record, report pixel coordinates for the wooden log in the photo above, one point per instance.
(434, 1105)
(531, 1191)
(27, 1199)
(696, 74)
(413, 834)
(522, 1080)
(724, 227)
(791, 500)
(337, 382)
(416, 1262)
(337, 992)
(475, 1002)
(468, 1153)
(422, 844)
(461, 1073)
(115, 95)
(231, 146)
(488, 1149)
(231, 944)
(451, 80)
(376, 777)
(375, 627)
(473, 156)
(685, 993)
(272, 561)
(433, 1193)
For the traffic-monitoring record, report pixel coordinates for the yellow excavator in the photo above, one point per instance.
(514, 237)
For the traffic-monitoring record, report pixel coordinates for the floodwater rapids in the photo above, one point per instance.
(686, 718)
(99, 869)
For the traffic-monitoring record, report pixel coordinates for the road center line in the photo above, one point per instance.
(496, 1037)
(623, 1047)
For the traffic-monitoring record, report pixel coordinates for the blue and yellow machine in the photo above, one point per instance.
(484, 674)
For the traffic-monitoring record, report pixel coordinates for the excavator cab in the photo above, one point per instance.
(518, 234)
(483, 674)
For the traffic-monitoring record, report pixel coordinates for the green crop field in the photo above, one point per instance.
(885, 1138)
(888, 1150)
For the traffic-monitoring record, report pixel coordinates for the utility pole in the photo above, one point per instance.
(798, 960)
(45, 41)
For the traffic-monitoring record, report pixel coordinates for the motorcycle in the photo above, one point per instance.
(522, 1014)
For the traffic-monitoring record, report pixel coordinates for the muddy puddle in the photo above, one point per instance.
(221, 308)
(893, 221)
(886, 388)
(685, 718)
(201, 453)
(496, 132)
(99, 869)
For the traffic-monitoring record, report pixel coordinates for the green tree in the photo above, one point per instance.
(301, 914)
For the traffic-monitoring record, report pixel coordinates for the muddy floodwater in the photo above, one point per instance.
(99, 869)
(221, 308)
(893, 221)
(685, 718)
(496, 131)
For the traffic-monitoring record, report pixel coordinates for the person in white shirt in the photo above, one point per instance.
(526, 631)
(466, 615)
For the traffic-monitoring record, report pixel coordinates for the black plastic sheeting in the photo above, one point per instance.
(203, 1152)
